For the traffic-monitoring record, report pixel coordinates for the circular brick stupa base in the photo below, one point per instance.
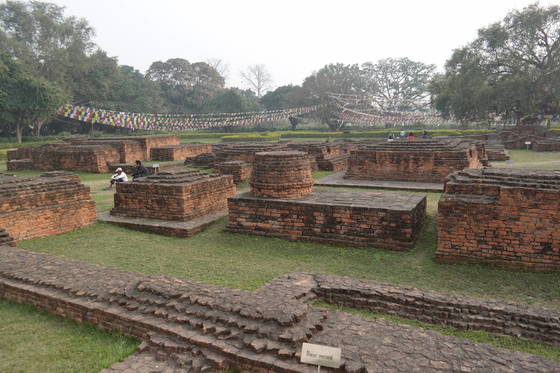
(282, 174)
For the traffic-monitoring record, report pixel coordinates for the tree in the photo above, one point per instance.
(513, 66)
(285, 97)
(25, 99)
(333, 78)
(220, 66)
(401, 84)
(51, 45)
(257, 78)
(185, 86)
(233, 100)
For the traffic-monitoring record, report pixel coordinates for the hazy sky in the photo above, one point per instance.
(292, 38)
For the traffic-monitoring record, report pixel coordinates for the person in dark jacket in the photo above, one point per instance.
(139, 171)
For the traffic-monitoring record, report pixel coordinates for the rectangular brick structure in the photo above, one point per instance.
(354, 218)
(240, 170)
(83, 154)
(42, 206)
(329, 156)
(505, 217)
(179, 195)
(179, 152)
(243, 151)
(423, 160)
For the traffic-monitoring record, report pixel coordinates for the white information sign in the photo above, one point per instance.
(324, 356)
(527, 142)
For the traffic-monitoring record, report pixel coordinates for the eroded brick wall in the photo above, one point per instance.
(44, 206)
(412, 160)
(179, 152)
(240, 171)
(506, 217)
(180, 195)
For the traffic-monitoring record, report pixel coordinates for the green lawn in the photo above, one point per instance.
(530, 159)
(247, 262)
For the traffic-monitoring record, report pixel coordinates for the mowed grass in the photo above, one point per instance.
(34, 341)
(530, 159)
(248, 262)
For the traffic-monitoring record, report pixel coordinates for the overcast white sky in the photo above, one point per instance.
(292, 38)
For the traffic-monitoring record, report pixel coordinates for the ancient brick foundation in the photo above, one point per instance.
(90, 155)
(240, 170)
(329, 156)
(282, 174)
(51, 204)
(413, 160)
(496, 152)
(505, 217)
(179, 195)
(179, 152)
(546, 145)
(189, 326)
(227, 152)
(350, 218)
(540, 137)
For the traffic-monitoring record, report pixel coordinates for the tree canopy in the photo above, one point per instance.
(512, 67)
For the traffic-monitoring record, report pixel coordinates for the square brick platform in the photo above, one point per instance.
(169, 197)
(382, 220)
(505, 217)
(338, 180)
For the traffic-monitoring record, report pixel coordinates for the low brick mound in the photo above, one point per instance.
(243, 151)
(329, 156)
(129, 168)
(173, 196)
(422, 160)
(540, 138)
(282, 174)
(51, 204)
(496, 152)
(179, 152)
(340, 217)
(190, 326)
(204, 160)
(547, 145)
(505, 217)
(84, 154)
(240, 170)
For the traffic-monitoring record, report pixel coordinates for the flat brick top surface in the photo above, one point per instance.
(361, 199)
(508, 177)
(178, 177)
(12, 186)
(420, 145)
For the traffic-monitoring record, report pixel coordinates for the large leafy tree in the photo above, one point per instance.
(333, 78)
(513, 66)
(399, 84)
(233, 100)
(25, 99)
(185, 86)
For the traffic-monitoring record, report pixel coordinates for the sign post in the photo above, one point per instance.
(320, 355)
(528, 143)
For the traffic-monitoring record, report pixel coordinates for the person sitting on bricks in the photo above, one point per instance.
(118, 177)
(139, 171)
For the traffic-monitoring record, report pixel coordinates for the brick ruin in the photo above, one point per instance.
(540, 137)
(89, 155)
(282, 204)
(179, 152)
(243, 151)
(505, 217)
(282, 174)
(51, 204)
(240, 170)
(422, 160)
(204, 160)
(496, 152)
(188, 326)
(329, 156)
(179, 195)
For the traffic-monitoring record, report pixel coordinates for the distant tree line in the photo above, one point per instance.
(48, 58)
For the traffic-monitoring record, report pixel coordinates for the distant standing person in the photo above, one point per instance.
(118, 177)
(391, 137)
(425, 135)
(139, 171)
(410, 136)
(403, 134)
